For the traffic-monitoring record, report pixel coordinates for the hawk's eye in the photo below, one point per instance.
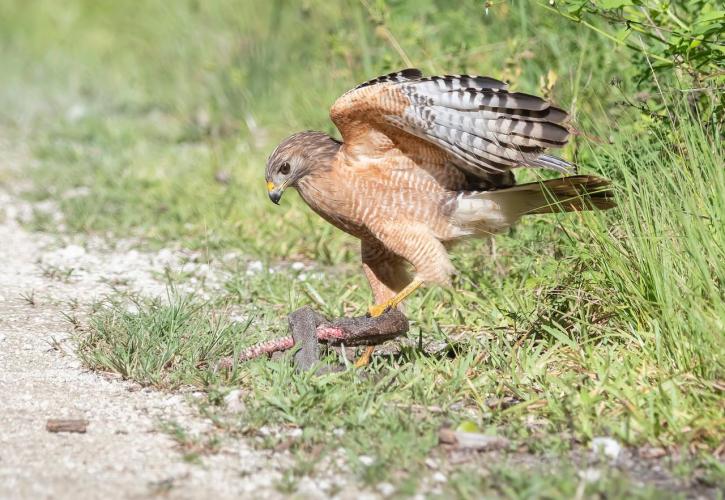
(284, 168)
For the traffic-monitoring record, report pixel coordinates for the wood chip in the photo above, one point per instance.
(447, 436)
(473, 441)
(651, 452)
(66, 425)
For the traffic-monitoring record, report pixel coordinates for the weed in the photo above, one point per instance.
(29, 297)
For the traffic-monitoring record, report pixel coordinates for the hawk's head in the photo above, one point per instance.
(295, 157)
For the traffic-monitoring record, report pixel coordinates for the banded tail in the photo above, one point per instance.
(491, 211)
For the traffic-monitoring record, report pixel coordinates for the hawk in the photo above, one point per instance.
(425, 162)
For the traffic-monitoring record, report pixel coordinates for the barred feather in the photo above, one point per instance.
(568, 194)
(456, 82)
(477, 121)
(395, 77)
(482, 211)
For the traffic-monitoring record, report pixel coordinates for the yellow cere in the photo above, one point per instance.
(270, 186)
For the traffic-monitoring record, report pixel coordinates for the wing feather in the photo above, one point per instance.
(473, 119)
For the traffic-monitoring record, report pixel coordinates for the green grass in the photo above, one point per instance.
(569, 327)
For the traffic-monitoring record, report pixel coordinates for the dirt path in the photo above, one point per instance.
(123, 454)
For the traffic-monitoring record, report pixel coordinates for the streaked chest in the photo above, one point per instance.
(363, 189)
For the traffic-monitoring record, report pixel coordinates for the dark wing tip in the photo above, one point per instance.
(411, 73)
(394, 77)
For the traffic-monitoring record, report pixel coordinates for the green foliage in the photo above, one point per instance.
(677, 43)
(165, 345)
(664, 267)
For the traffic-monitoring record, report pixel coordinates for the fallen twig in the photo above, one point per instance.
(66, 425)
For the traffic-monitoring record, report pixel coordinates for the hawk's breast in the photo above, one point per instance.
(360, 192)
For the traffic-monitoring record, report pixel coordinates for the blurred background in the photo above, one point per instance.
(147, 103)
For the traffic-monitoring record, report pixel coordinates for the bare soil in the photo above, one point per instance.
(124, 453)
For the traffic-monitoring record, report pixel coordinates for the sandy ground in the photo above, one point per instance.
(124, 454)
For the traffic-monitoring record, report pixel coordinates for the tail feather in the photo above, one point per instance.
(567, 194)
(492, 211)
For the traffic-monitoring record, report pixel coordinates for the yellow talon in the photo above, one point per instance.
(364, 359)
(379, 309)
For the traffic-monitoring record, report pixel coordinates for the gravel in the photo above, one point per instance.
(123, 454)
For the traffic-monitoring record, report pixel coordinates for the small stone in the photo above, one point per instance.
(75, 112)
(229, 256)
(471, 440)
(447, 436)
(255, 267)
(649, 452)
(223, 176)
(233, 401)
(607, 446)
(238, 318)
(366, 460)
(324, 484)
(297, 266)
(439, 477)
(386, 489)
(590, 475)
(73, 252)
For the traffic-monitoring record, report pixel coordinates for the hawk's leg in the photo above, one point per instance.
(388, 276)
(379, 309)
(386, 272)
(412, 243)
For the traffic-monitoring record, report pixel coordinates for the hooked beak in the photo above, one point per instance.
(274, 192)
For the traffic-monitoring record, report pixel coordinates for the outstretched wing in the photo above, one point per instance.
(482, 127)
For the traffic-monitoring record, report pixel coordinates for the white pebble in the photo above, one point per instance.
(73, 252)
(431, 464)
(233, 401)
(590, 475)
(238, 318)
(606, 445)
(366, 460)
(255, 266)
(386, 489)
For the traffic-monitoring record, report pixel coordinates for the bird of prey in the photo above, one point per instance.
(425, 162)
